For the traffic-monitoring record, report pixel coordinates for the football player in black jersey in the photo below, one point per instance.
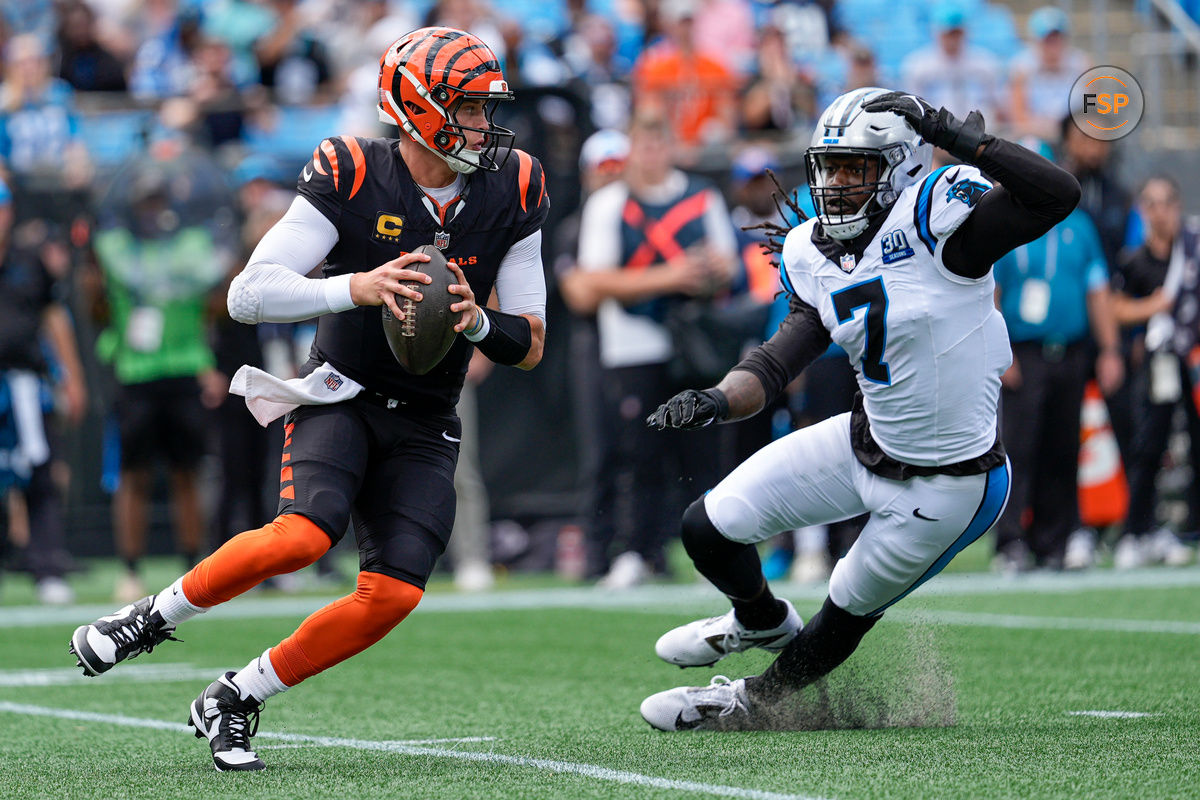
(374, 441)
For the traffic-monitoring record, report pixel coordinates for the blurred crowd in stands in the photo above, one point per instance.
(146, 145)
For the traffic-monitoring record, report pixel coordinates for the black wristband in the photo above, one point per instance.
(721, 401)
(508, 339)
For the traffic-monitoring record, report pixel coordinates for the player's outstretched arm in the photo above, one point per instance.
(756, 380)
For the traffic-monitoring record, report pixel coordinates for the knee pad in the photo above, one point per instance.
(698, 534)
(388, 599)
(296, 541)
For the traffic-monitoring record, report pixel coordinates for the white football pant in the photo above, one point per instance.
(811, 477)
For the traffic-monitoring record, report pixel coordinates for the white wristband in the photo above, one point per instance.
(482, 326)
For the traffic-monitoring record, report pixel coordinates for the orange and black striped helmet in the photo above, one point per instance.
(426, 76)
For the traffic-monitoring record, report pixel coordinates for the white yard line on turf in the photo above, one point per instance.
(135, 673)
(405, 748)
(702, 598)
(1112, 714)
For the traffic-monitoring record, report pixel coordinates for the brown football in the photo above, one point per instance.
(421, 339)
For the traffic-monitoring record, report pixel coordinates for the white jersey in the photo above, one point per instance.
(928, 346)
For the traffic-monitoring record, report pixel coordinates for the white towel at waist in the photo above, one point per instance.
(269, 398)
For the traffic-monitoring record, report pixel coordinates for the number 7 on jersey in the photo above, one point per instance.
(873, 296)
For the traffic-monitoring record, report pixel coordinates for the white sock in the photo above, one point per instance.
(258, 679)
(173, 604)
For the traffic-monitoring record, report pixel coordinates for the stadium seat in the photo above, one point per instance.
(113, 136)
(294, 131)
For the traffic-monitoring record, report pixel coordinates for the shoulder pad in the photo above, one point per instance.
(945, 199)
(530, 181)
(338, 167)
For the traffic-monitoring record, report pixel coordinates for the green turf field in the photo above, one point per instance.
(532, 692)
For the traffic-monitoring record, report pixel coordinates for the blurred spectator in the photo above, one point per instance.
(725, 30)
(31, 269)
(470, 540)
(239, 23)
(1051, 292)
(1157, 296)
(862, 70)
(695, 90)
(292, 61)
(35, 17)
(601, 162)
(37, 125)
(527, 60)
(219, 116)
(1104, 197)
(1042, 74)
(599, 71)
(162, 66)
(646, 243)
(952, 73)
(83, 61)
(468, 15)
(779, 96)
(243, 445)
(161, 247)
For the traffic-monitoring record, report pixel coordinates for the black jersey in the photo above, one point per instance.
(364, 188)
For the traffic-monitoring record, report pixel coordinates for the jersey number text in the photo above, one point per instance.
(873, 296)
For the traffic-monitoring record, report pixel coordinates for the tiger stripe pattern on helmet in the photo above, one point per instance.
(423, 78)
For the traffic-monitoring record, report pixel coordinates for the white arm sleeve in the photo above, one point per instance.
(520, 281)
(272, 287)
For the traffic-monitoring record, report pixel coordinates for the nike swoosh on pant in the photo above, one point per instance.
(449, 438)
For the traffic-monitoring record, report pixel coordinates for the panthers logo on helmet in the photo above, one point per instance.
(967, 191)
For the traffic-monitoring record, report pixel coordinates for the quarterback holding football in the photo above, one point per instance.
(363, 435)
(896, 269)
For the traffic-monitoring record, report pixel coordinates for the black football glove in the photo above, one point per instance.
(690, 408)
(939, 127)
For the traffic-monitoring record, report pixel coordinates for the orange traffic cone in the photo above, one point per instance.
(1103, 491)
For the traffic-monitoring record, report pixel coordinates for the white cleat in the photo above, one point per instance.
(706, 641)
(228, 720)
(135, 629)
(722, 705)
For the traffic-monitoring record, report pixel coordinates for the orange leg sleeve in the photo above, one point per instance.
(287, 544)
(345, 627)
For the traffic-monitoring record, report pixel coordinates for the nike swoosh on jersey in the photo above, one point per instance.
(449, 438)
(917, 513)
(308, 173)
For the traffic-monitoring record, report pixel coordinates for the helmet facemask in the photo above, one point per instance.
(451, 141)
(841, 213)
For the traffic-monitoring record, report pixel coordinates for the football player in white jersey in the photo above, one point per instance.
(895, 268)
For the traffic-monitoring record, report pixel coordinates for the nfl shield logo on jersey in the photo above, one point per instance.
(441, 240)
(848, 262)
(334, 382)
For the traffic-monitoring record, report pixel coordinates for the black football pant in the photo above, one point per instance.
(1151, 428)
(1040, 430)
(646, 477)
